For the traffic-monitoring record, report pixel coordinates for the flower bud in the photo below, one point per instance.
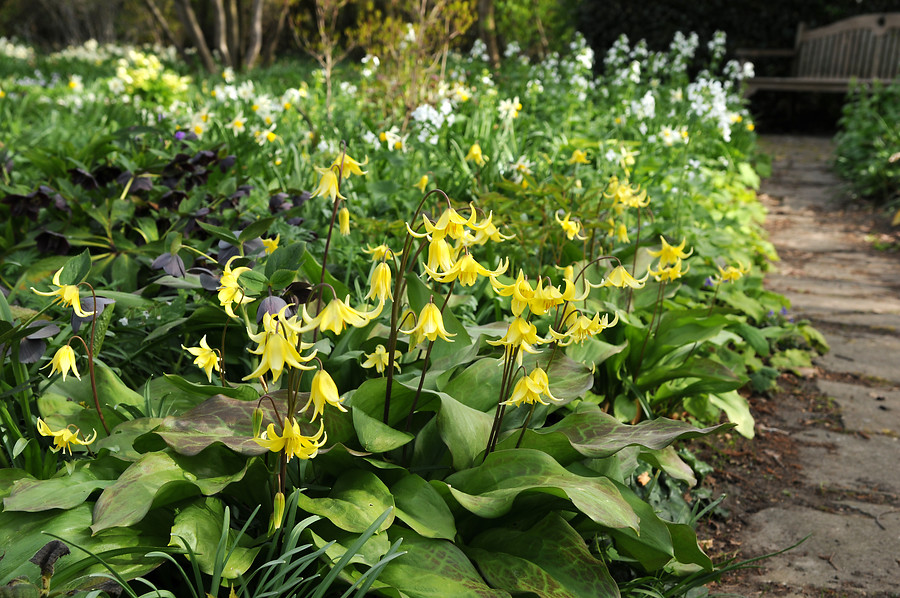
(344, 221)
(257, 422)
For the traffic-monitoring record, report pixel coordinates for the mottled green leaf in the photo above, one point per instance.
(65, 490)
(478, 385)
(375, 436)
(356, 500)
(200, 526)
(551, 560)
(464, 430)
(490, 489)
(421, 507)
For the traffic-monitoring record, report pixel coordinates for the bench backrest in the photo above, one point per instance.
(867, 46)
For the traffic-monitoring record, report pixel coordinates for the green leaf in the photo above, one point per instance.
(737, 409)
(242, 392)
(222, 234)
(290, 257)
(200, 526)
(256, 229)
(281, 279)
(313, 271)
(478, 385)
(76, 268)
(253, 282)
(356, 500)
(434, 569)
(754, 338)
(375, 436)
(490, 489)
(592, 352)
(668, 460)
(464, 430)
(420, 506)
(64, 491)
(550, 560)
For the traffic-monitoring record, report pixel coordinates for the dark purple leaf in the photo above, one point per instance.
(52, 242)
(171, 263)
(226, 163)
(105, 174)
(272, 305)
(83, 178)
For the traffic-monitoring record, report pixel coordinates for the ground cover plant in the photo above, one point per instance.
(303, 342)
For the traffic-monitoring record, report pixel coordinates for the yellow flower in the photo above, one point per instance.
(620, 278)
(271, 244)
(440, 255)
(206, 358)
(530, 388)
(68, 296)
(466, 270)
(733, 273)
(63, 361)
(450, 224)
(328, 185)
(379, 359)
(669, 273)
(381, 253)
(230, 291)
(581, 327)
(323, 391)
(336, 315)
(430, 325)
(520, 334)
(277, 347)
(350, 166)
(624, 195)
(520, 291)
(65, 438)
(344, 221)
(380, 284)
(570, 227)
(292, 441)
(422, 184)
(669, 254)
(475, 155)
(578, 157)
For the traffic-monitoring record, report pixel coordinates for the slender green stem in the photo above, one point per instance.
(525, 425)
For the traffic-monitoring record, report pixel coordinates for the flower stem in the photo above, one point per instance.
(525, 425)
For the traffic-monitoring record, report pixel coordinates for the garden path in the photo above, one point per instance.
(842, 487)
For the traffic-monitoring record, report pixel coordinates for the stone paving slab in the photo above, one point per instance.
(876, 357)
(868, 410)
(840, 462)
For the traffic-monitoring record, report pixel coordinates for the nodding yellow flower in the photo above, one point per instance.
(422, 184)
(669, 254)
(67, 295)
(619, 277)
(380, 284)
(328, 185)
(430, 325)
(292, 441)
(344, 221)
(466, 270)
(733, 273)
(271, 244)
(350, 166)
(230, 291)
(520, 291)
(63, 361)
(530, 388)
(669, 273)
(206, 358)
(65, 438)
(338, 314)
(581, 327)
(276, 344)
(475, 155)
(625, 195)
(323, 391)
(379, 359)
(572, 228)
(520, 334)
(578, 157)
(441, 255)
(450, 224)
(381, 253)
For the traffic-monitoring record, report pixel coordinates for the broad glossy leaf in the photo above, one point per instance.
(313, 271)
(9, 476)
(375, 436)
(288, 257)
(421, 507)
(551, 560)
(111, 391)
(737, 409)
(464, 430)
(434, 569)
(593, 351)
(490, 489)
(63, 491)
(200, 526)
(371, 552)
(121, 439)
(478, 385)
(668, 460)
(569, 379)
(706, 370)
(357, 499)
(255, 229)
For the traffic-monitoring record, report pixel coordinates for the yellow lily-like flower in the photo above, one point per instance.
(292, 441)
(578, 157)
(422, 184)
(430, 325)
(620, 278)
(206, 358)
(379, 359)
(323, 391)
(669, 254)
(624, 195)
(450, 224)
(669, 273)
(344, 221)
(466, 270)
(230, 292)
(381, 253)
(733, 273)
(63, 361)
(441, 255)
(276, 345)
(475, 155)
(271, 244)
(530, 388)
(572, 228)
(520, 291)
(581, 327)
(328, 185)
(520, 334)
(338, 314)
(380, 284)
(350, 166)
(67, 295)
(619, 231)
(65, 438)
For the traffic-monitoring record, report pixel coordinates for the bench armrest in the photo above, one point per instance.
(765, 52)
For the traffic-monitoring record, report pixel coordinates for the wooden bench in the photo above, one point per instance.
(860, 49)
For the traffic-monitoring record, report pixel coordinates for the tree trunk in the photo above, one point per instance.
(219, 43)
(488, 29)
(162, 24)
(274, 37)
(189, 21)
(254, 38)
(233, 20)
